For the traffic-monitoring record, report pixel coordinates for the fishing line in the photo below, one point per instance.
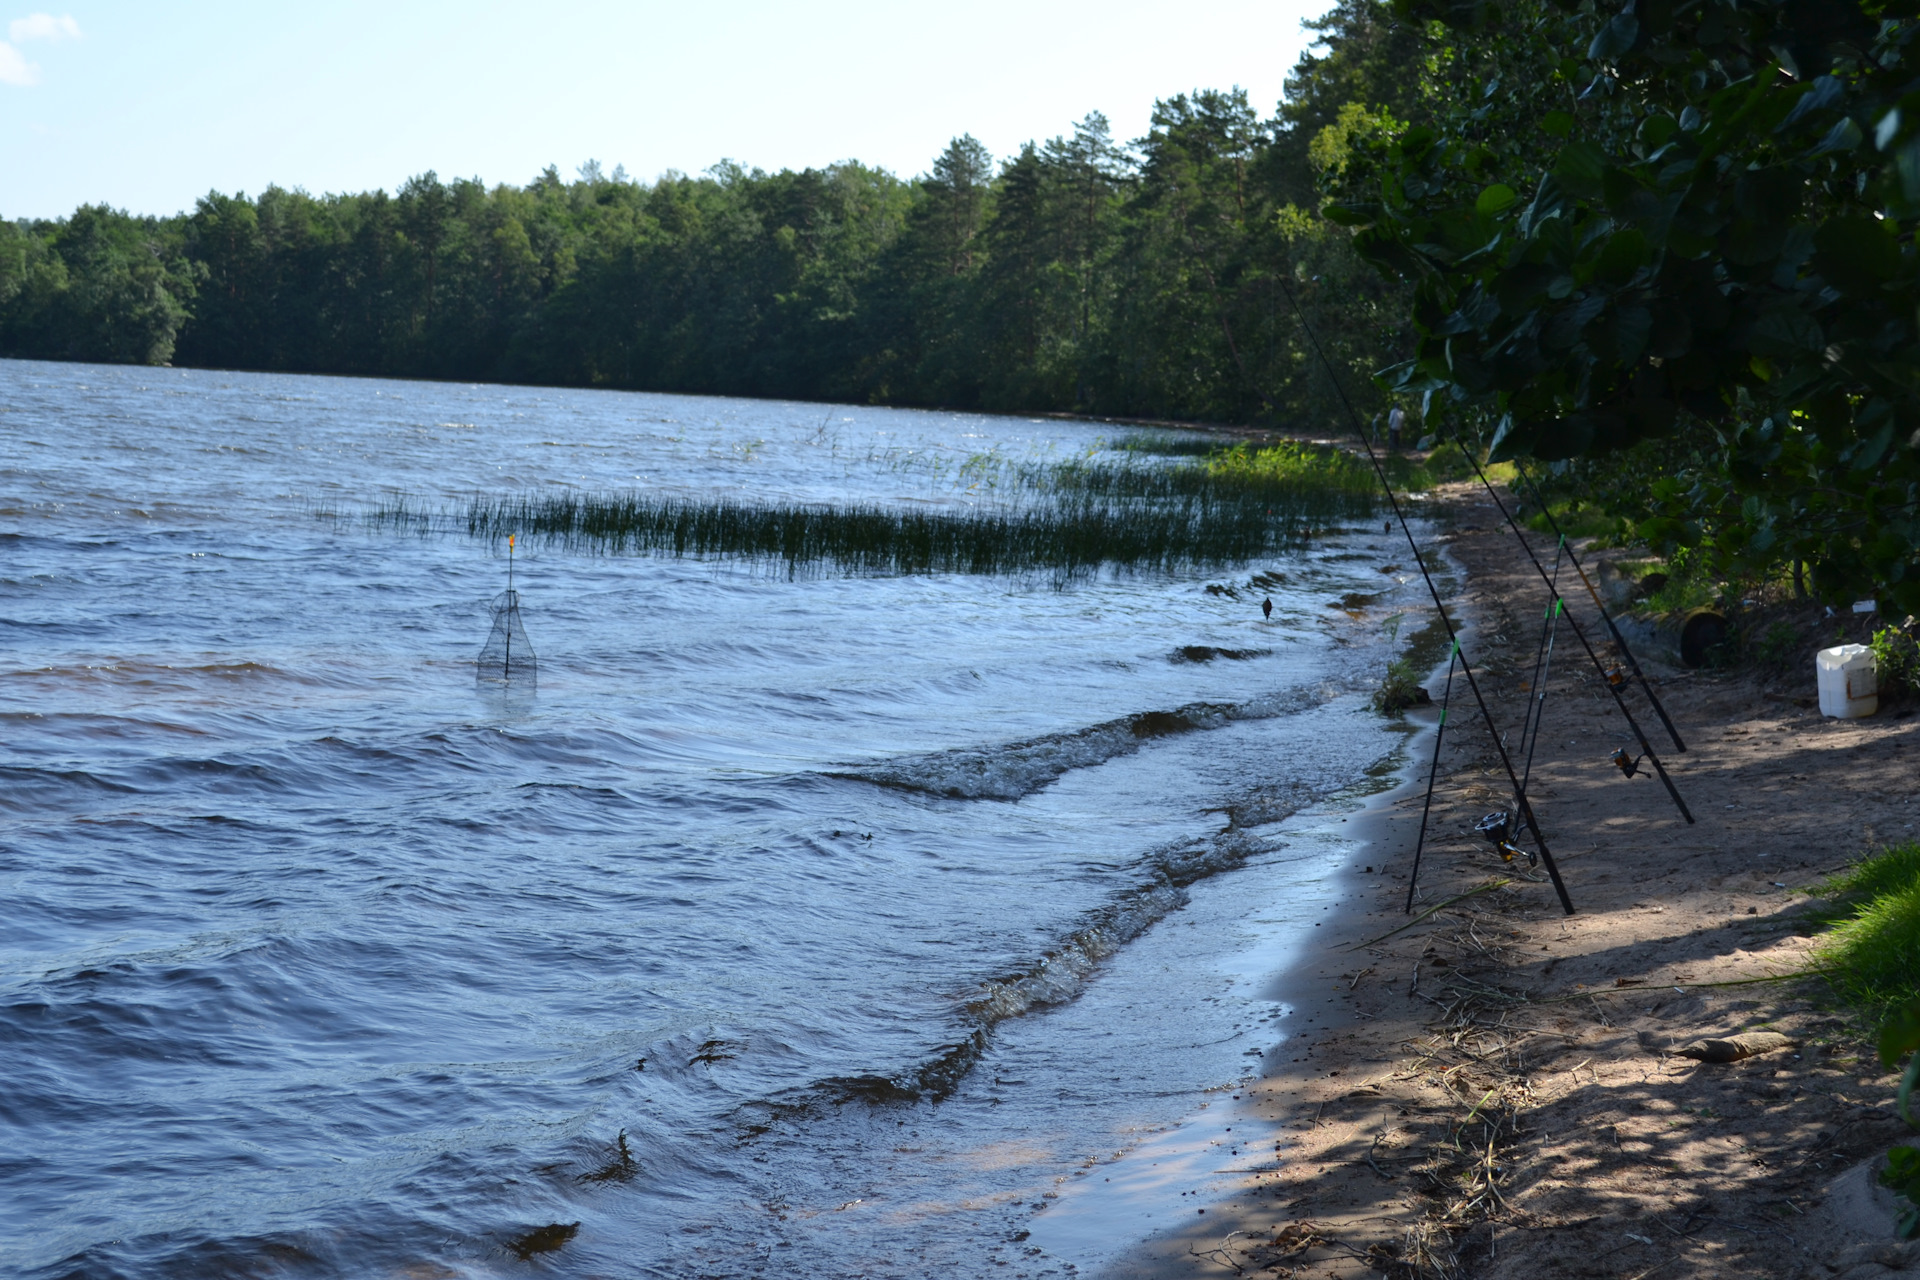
(1618, 639)
(1526, 807)
(1433, 772)
(1580, 634)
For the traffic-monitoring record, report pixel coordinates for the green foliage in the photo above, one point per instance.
(1365, 65)
(1896, 659)
(1902, 1174)
(100, 286)
(1900, 1037)
(1577, 519)
(1690, 585)
(1779, 647)
(1872, 955)
(1684, 224)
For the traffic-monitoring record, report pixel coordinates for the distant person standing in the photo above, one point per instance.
(1395, 421)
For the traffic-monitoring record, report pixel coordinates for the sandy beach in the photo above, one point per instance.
(1493, 1092)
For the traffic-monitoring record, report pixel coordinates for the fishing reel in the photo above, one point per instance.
(1497, 830)
(1628, 765)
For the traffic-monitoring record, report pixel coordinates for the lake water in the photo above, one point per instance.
(812, 927)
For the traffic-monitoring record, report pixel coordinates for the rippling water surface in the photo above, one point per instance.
(827, 926)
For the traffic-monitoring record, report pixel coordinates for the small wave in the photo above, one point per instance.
(1056, 977)
(1060, 975)
(1019, 769)
(144, 671)
(580, 787)
(28, 788)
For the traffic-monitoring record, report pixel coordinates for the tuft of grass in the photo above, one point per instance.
(1892, 869)
(1399, 689)
(1872, 952)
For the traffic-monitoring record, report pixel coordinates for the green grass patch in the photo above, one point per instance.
(1872, 952)
(1300, 464)
(1293, 465)
(1288, 476)
(1329, 467)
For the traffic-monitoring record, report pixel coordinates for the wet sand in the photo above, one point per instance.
(1492, 1092)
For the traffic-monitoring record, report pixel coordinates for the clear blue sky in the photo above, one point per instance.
(146, 106)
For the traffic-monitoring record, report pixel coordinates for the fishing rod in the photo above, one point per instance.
(1433, 772)
(1581, 635)
(1540, 682)
(1380, 471)
(1618, 639)
(1542, 665)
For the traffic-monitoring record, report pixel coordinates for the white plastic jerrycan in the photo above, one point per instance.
(1849, 683)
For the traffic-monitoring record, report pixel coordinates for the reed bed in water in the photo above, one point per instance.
(1076, 519)
(1287, 475)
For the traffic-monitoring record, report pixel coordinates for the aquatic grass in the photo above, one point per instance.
(1065, 519)
(1168, 444)
(1065, 539)
(1872, 953)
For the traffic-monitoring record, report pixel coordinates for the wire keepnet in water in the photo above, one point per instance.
(507, 656)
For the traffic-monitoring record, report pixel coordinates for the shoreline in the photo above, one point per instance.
(1491, 1093)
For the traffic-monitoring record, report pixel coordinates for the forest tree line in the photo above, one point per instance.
(1153, 278)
